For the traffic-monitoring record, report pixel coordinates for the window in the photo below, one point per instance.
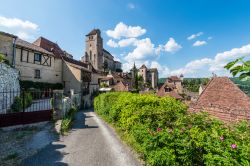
(167, 89)
(37, 57)
(37, 74)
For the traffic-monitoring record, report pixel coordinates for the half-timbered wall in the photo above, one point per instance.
(50, 67)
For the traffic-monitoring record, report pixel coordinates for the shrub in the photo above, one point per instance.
(68, 120)
(164, 133)
(40, 85)
(18, 103)
(3, 59)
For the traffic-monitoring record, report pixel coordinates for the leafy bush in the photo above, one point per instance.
(3, 59)
(40, 85)
(68, 120)
(18, 103)
(164, 133)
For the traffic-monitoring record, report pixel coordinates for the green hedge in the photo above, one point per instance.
(164, 133)
(40, 85)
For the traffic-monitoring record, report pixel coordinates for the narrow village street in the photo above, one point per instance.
(90, 143)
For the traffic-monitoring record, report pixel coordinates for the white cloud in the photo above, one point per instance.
(163, 70)
(216, 64)
(144, 48)
(193, 36)
(172, 46)
(123, 30)
(22, 28)
(23, 35)
(122, 43)
(131, 6)
(127, 42)
(112, 43)
(210, 38)
(199, 43)
(15, 22)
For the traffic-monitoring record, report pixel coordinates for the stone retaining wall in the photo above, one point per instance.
(9, 84)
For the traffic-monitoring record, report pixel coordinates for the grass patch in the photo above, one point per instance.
(67, 121)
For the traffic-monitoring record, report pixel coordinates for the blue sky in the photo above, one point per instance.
(152, 32)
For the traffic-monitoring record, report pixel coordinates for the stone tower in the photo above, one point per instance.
(94, 49)
(143, 73)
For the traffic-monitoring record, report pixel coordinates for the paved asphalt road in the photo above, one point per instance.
(90, 143)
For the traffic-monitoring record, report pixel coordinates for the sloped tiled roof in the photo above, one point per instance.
(106, 52)
(93, 32)
(153, 69)
(49, 46)
(172, 93)
(22, 43)
(174, 78)
(143, 66)
(76, 62)
(8, 34)
(222, 92)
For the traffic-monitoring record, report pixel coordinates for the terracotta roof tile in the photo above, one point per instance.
(49, 46)
(22, 43)
(222, 92)
(174, 78)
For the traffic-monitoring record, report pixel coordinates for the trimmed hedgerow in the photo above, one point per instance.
(164, 133)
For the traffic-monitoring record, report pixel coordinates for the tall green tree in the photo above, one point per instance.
(239, 67)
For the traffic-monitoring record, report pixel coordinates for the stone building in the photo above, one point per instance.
(177, 82)
(75, 74)
(169, 89)
(7, 46)
(95, 54)
(36, 63)
(149, 75)
(223, 99)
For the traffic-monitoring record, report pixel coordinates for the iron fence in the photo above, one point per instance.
(13, 101)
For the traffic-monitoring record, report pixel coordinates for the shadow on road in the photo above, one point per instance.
(48, 156)
(80, 121)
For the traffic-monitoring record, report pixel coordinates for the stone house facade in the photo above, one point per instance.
(96, 54)
(177, 82)
(221, 98)
(37, 64)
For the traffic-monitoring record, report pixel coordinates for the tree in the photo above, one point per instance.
(239, 67)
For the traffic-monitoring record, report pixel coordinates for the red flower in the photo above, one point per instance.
(159, 129)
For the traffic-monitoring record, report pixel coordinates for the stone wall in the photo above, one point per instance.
(6, 46)
(9, 84)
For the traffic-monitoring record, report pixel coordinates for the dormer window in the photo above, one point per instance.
(167, 89)
(90, 37)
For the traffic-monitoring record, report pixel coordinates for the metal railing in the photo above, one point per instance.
(13, 101)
